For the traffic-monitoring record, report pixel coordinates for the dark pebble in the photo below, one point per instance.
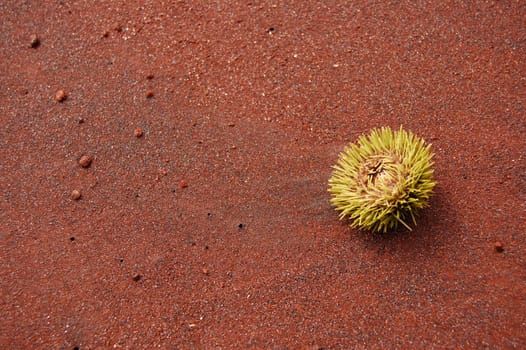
(75, 195)
(85, 161)
(34, 42)
(61, 96)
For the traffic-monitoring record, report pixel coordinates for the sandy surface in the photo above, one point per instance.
(213, 229)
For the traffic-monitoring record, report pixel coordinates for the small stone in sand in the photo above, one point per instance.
(499, 247)
(149, 94)
(34, 42)
(137, 278)
(183, 184)
(138, 132)
(61, 95)
(85, 161)
(75, 195)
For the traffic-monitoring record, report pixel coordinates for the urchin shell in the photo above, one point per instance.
(383, 180)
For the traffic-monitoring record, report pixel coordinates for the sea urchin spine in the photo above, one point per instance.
(381, 182)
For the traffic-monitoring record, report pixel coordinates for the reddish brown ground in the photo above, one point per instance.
(250, 104)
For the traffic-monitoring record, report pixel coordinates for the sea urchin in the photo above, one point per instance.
(384, 180)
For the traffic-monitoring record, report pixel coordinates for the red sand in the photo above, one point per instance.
(214, 229)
